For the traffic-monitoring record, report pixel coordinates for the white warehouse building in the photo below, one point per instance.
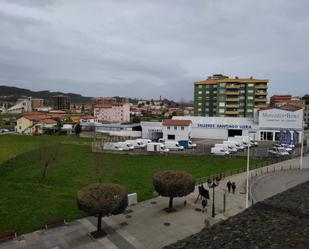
(267, 124)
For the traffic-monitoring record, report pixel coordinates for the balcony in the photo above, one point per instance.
(261, 87)
(232, 99)
(260, 106)
(261, 93)
(232, 93)
(231, 113)
(260, 100)
(232, 106)
(232, 86)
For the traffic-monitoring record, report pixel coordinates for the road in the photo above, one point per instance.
(271, 184)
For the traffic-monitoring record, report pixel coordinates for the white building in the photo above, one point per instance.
(177, 130)
(152, 130)
(22, 105)
(267, 124)
(112, 113)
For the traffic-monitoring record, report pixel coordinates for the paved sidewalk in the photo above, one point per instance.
(147, 226)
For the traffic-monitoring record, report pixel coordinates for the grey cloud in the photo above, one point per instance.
(152, 48)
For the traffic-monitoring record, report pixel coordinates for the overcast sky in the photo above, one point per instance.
(145, 49)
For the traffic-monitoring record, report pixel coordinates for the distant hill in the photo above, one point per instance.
(11, 94)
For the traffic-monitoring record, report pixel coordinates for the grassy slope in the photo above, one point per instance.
(24, 206)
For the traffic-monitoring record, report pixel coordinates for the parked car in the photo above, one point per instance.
(125, 146)
(144, 140)
(172, 145)
(227, 147)
(157, 147)
(219, 151)
(279, 146)
(191, 145)
(117, 147)
(137, 144)
(234, 144)
(161, 140)
(4, 130)
(278, 152)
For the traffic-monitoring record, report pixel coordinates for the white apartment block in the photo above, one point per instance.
(112, 113)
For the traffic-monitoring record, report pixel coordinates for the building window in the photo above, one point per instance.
(221, 110)
(250, 97)
(182, 128)
(199, 92)
(171, 137)
(207, 92)
(168, 127)
(221, 104)
(175, 127)
(250, 91)
(199, 86)
(250, 85)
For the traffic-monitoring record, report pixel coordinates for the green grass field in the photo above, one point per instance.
(25, 205)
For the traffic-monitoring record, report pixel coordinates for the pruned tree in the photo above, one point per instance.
(102, 199)
(172, 183)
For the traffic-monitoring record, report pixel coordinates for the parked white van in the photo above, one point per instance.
(191, 145)
(172, 145)
(226, 147)
(219, 151)
(144, 140)
(137, 144)
(234, 144)
(125, 145)
(157, 147)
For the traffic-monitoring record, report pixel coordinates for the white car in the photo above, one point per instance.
(125, 146)
(278, 152)
(219, 151)
(172, 145)
(4, 130)
(144, 140)
(226, 147)
(137, 144)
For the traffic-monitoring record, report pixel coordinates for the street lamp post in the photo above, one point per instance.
(247, 179)
(213, 184)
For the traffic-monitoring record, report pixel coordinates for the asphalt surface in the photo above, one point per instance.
(271, 184)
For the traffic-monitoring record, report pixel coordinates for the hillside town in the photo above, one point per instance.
(154, 125)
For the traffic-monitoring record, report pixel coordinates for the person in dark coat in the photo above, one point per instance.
(229, 186)
(204, 205)
(233, 187)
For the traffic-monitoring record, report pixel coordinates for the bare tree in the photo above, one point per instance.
(46, 156)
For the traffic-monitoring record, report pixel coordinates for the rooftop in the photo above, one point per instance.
(219, 78)
(179, 122)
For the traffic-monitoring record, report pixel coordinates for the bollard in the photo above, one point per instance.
(224, 202)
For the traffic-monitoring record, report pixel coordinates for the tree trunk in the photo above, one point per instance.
(171, 202)
(99, 223)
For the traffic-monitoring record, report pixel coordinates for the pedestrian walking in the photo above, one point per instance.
(229, 186)
(204, 205)
(233, 187)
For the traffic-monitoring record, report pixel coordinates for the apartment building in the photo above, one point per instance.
(112, 113)
(306, 109)
(61, 102)
(281, 100)
(222, 96)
